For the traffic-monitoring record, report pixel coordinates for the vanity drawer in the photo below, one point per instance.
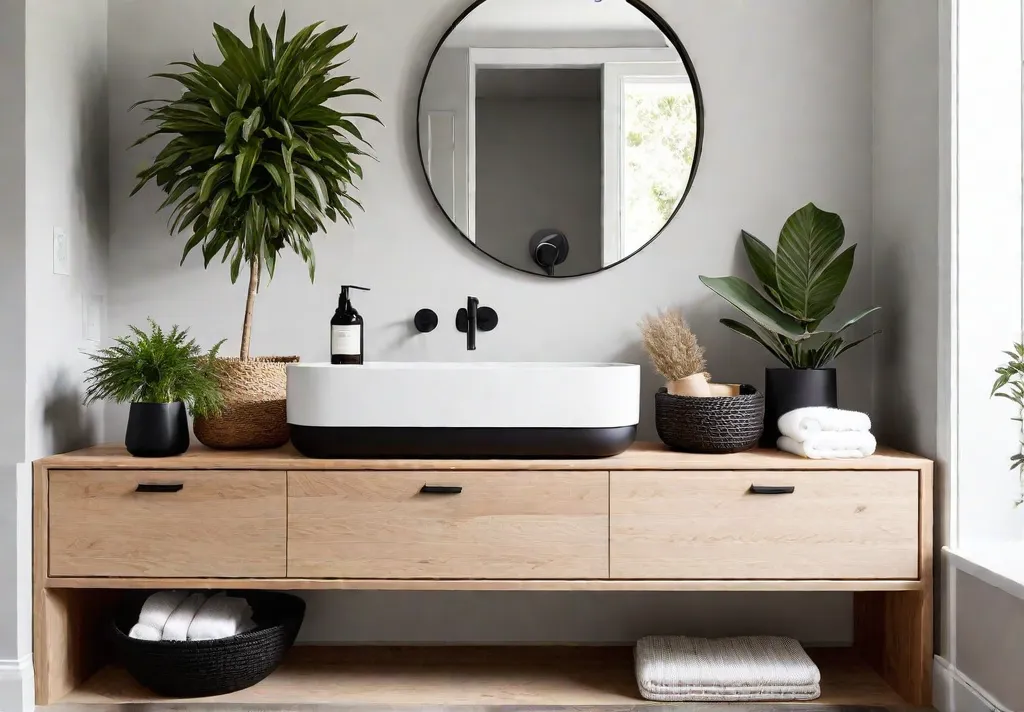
(188, 524)
(712, 525)
(502, 525)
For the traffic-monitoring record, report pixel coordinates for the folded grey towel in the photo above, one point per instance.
(749, 669)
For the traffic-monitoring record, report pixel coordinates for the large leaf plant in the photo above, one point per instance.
(258, 161)
(801, 282)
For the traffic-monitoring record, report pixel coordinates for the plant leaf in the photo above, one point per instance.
(765, 341)
(210, 180)
(752, 303)
(244, 163)
(810, 239)
(850, 345)
(762, 261)
(252, 123)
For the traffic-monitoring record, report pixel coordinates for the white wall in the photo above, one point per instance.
(540, 166)
(788, 87)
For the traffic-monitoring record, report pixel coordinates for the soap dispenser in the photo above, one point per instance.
(347, 331)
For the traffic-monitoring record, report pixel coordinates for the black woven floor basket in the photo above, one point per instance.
(717, 425)
(211, 667)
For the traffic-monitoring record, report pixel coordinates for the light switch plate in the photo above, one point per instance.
(61, 252)
(92, 318)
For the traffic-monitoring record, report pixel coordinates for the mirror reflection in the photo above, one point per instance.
(560, 136)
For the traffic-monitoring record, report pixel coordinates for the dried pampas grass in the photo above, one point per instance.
(672, 347)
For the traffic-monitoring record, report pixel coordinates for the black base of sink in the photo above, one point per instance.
(462, 443)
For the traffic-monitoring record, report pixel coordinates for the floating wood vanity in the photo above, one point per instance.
(647, 520)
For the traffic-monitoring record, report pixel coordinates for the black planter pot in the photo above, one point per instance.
(157, 430)
(787, 389)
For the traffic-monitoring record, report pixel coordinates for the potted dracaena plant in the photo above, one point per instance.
(802, 282)
(261, 157)
(162, 374)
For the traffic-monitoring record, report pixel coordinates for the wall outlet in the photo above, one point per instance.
(92, 318)
(61, 252)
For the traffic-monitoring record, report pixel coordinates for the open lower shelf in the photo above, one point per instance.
(564, 676)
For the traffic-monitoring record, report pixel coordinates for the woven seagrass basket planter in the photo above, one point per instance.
(716, 425)
(255, 415)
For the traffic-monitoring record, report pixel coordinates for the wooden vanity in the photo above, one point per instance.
(647, 520)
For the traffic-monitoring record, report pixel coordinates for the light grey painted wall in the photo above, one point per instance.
(906, 237)
(989, 630)
(539, 166)
(788, 87)
(66, 186)
(12, 314)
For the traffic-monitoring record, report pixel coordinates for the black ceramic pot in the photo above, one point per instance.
(787, 389)
(157, 430)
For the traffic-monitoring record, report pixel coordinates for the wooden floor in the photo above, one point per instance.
(348, 678)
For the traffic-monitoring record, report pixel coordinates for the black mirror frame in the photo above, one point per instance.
(698, 96)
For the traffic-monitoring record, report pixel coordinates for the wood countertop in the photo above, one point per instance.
(642, 456)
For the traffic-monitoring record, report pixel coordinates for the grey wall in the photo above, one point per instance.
(788, 87)
(53, 172)
(12, 314)
(66, 186)
(539, 166)
(989, 629)
(906, 237)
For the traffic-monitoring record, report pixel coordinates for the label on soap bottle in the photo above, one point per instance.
(346, 340)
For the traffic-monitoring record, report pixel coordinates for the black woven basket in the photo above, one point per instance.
(211, 667)
(718, 425)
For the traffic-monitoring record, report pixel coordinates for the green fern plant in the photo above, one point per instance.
(1010, 385)
(258, 161)
(156, 367)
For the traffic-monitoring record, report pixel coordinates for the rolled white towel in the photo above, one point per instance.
(222, 616)
(831, 446)
(154, 614)
(144, 632)
(801, 423)
(179, 622)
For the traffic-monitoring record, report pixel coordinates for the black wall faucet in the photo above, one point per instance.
(475, 318)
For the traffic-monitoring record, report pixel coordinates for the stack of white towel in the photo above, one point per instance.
(179, 615)
(826, 434)
(749, 669)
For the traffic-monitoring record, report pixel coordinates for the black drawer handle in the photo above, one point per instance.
(762, 489)
(440, 489)
(159, 488)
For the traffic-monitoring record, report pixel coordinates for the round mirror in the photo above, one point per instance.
(560, 136)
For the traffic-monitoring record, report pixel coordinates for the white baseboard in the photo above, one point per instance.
(17, 693)
(955, 692)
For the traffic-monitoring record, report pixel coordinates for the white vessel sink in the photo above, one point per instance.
(463, 410)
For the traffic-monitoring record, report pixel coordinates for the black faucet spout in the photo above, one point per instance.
(475, 318)
(472, 306)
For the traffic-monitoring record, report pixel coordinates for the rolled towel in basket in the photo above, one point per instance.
(222, 616)
(154, 614)
(831, 446)
(802, 423)
(179, 622)
(748, 669)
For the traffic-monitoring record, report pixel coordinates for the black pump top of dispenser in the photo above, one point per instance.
(344, 302)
